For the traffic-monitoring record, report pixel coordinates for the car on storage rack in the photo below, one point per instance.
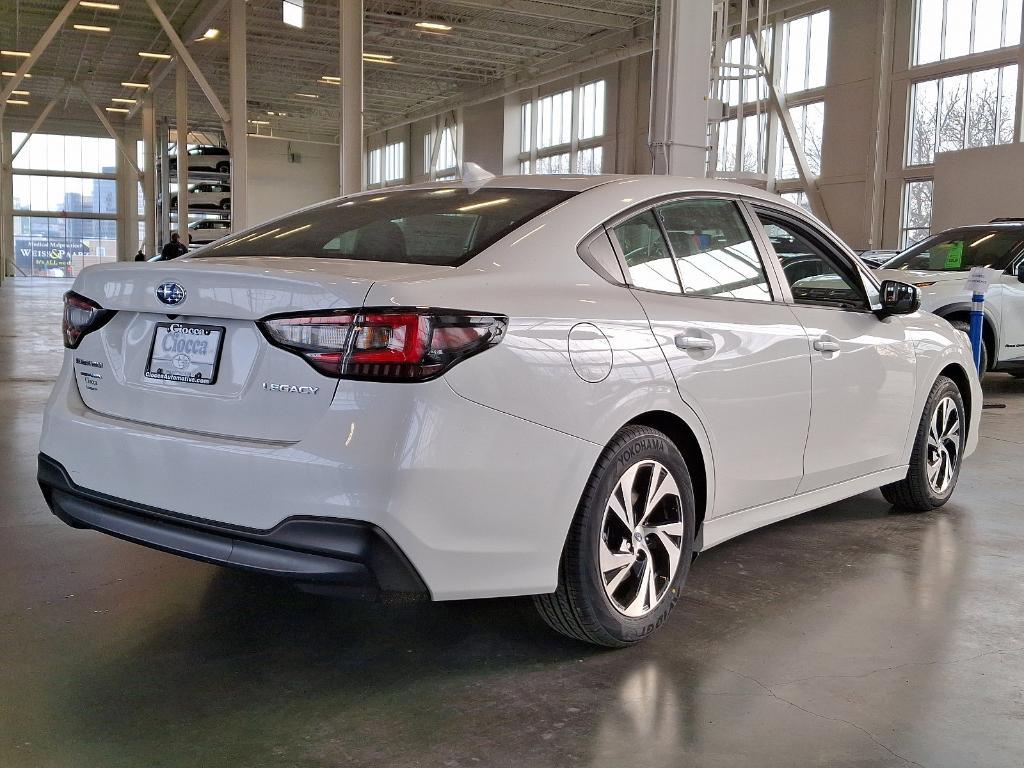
(940, 265)
(208, 230)
(206, 194)
(204, 158)
(557, 386)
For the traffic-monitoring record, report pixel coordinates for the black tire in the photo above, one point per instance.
(580, 608)
(223, 167)
(915, 493)
(965, 326)
(174, 203)
(225, 204)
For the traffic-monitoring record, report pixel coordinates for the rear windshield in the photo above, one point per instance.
(960, 252)
(443, 227)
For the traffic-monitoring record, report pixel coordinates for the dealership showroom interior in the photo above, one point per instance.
(548, 383)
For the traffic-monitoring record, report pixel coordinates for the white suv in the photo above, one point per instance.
(939, 267)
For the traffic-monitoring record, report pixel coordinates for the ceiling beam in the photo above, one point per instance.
(37, 51)
(553, 12)
(201, 19)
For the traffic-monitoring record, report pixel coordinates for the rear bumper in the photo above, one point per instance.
(348, 554)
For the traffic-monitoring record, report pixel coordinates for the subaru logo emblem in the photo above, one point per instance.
(170, 293)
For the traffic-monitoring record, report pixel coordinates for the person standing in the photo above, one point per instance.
(173, 249)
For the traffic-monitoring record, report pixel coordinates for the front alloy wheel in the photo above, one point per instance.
(937, 454)
(943, 445)
(629, 546)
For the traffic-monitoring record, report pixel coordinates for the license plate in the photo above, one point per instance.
(185, 352)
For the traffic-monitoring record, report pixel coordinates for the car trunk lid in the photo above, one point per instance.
(202, 365)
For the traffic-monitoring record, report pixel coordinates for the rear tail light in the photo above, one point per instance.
(81, 316)
(385, 344)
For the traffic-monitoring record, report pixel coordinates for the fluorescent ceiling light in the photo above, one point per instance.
(18, 102)
(90, 28)
(260, 122)
(20, 54)
(378, 58)
(307, 95)
(330, 80)
(12, 74)
(151, 55)
(117, 109)
(291, 13)
(20, 93)
(100, 6)
(433, 26)
(119, 100)
(211, 34)
(130, 84)
(475, 206)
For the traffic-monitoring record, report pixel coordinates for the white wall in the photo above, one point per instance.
(977, 185)
(277, 186)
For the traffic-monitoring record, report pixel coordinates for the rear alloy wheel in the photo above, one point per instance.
(226, 204)
(630, 545)
(938, 452)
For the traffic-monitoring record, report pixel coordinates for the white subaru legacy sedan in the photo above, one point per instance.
(554, 386)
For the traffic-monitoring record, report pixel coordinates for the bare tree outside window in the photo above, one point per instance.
(961, 111)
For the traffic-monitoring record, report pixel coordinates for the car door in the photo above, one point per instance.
(863, 370)
(738, 355)
(1011, 314)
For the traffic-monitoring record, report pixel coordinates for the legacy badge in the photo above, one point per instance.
(290, 389)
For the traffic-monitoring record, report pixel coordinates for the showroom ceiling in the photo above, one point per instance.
(490, 42)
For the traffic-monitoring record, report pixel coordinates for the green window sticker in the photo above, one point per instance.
(955, 255)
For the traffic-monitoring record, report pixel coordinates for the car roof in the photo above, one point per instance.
(646, 185)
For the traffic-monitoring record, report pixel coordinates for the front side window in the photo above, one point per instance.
(816, 275)
(443, 227)
(960, 253)
(714, 252)
(647, 256)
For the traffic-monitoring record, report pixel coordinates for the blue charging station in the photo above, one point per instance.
(978, 283)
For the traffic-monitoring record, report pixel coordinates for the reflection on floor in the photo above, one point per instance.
(849, 636)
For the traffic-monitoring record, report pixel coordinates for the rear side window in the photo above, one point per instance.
(444, 227)
(646, 253)
(715, 253)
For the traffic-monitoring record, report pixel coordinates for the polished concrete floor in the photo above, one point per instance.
(852, 636)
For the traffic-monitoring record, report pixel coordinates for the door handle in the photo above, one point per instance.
(825, 344)
(691, 343)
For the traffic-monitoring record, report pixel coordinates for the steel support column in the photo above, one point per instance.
(6, 205)
(181, 132)
(351, 58)
(238, 138)
(149, 176)
(679, 117)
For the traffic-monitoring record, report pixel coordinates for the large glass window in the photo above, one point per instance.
(946, 29)
(548, 142)
(961, 111)
(714, 252)
(386, 165)
(446, 164)
(809, 121)
(805, 52)
(66, 222)
(916, 218)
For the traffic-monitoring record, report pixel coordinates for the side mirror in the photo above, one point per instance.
(1020, 272)
(899, 298)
